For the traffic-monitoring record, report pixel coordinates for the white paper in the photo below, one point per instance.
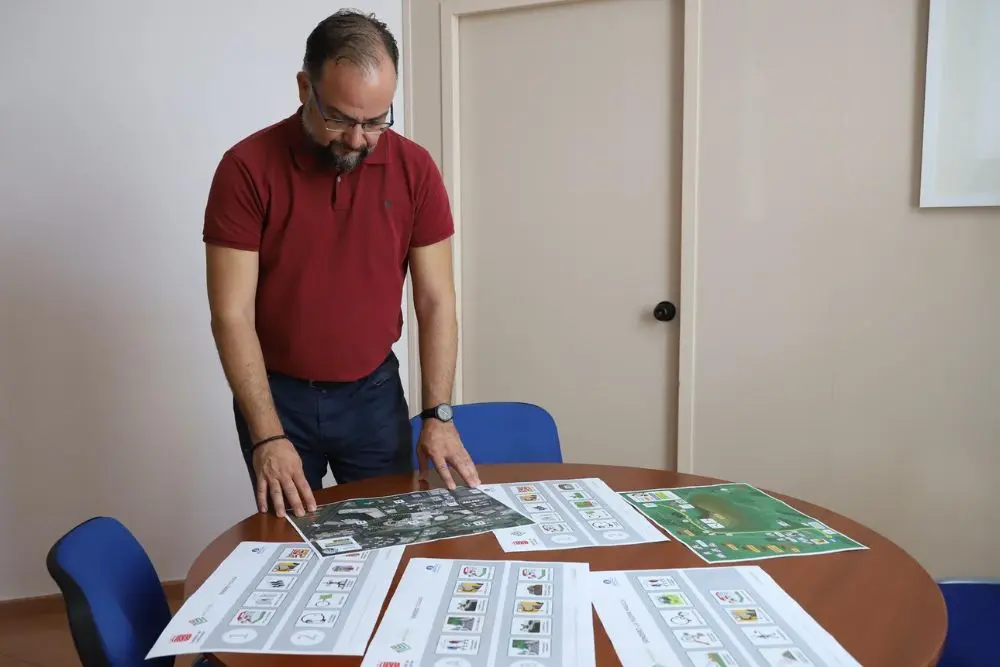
(268, 597)
(720, 616)
(482, 613)
(568, 514)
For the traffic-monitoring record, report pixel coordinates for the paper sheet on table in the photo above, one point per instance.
(475, 613)
(362, 524)
(720, 616)
(268, 597)
(570, 513)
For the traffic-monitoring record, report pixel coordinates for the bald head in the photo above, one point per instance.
(352, 37)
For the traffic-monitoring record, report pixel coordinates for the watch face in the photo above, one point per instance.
(444, 412)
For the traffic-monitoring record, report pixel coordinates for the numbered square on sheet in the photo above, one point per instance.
(547, 517)
(463, 624)
(524, 488)
(605, 524)
(344, 569)
(658, 583)
(327, 600)
(354, 556)
(534, 590)
(480, 572)
(468, 605)
(734, 596)
(336, 584)
(286, 567)
(668, 599)
(528, 625)
(276, 583)
(576, 495)
(534, 574)
(296, 553)
(312, 618)
(568, 486)
(778, 657)
(683, 618)
(749, 615)
(555, 528)
(703, 638)
(538, 507)
(713, 658)
(766, 635)
(252, 617)
(265, 599)
(591, 515)
(451, 645)
(472, 588)
(534, 607)
(529, 648)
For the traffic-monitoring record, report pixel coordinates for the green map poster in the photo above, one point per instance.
(736, 522)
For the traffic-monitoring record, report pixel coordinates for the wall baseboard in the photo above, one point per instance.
(53, 604)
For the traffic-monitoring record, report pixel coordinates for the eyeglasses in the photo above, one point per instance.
(336, 125)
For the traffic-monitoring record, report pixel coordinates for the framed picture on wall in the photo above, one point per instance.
(961, 137)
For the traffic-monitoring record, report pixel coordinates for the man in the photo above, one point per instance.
(310, 227)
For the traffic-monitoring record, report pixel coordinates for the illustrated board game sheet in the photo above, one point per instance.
(487, 613)
(730, 616)
(362, 524)
(570, 513)
(268, 597)
(737, 522)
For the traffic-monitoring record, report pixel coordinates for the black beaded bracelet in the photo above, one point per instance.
(266, 440)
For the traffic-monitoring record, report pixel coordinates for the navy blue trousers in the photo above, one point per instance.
(358, 429)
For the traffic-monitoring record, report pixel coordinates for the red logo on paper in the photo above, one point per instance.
(389, 664)
(176, 639)
(521, 542)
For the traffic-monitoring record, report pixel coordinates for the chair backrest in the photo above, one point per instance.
(503, 433)
(114, 600)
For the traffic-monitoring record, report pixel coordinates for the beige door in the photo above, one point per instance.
(558, 129)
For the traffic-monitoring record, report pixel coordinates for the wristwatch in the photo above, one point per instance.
(441, 412)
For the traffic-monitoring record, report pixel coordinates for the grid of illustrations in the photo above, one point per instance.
(567, 514)
(709, 614)
(509, 609)
(271, 616)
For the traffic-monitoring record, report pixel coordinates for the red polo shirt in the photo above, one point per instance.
(332, 248)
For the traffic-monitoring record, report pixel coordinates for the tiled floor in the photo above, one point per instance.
(42, 640)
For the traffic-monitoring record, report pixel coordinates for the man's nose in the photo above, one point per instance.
(355, 138)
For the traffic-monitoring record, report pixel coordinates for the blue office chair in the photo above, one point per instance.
(114, 600)
(971, 604)
(503, 433)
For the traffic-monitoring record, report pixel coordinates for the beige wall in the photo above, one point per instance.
(848, 343)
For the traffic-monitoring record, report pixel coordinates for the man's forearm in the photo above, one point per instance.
(438, 335)
(243, 365)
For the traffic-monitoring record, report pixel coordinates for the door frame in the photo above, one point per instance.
(451, 11)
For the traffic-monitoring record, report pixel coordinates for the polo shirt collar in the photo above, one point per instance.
(303, 150)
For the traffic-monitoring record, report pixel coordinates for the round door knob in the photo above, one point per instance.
(665, 311)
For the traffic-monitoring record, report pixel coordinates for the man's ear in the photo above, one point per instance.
(302, 79)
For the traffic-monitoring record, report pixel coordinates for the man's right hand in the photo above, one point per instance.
(279, 476)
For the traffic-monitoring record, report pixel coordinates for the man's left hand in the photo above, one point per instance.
(440, 443)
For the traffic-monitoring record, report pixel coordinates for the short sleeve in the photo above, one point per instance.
(432, 219)
(234, 214)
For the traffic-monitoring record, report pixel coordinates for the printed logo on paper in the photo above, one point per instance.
(198, 620)
(181, 638)
(401, 647)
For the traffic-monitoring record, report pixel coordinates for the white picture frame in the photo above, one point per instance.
(960, 163)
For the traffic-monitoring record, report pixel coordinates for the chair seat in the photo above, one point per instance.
(971, 623)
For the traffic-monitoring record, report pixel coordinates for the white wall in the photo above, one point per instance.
(112, 400)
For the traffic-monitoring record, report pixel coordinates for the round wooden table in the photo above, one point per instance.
(880, 604)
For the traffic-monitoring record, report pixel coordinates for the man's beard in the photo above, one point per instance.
(342, 162)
